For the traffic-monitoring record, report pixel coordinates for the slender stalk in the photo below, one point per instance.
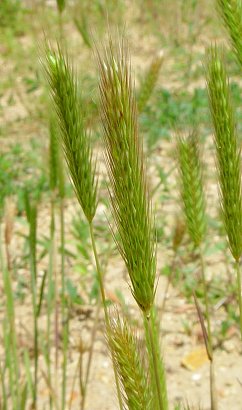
(99, 272)
(64, 318)
(1, 253)
(100, 278)
(93, 336)
(205, 290)
(3, 402)
(238, 273)
(155, 362)
(12, 339)
(213, 395)
(214, 400)
(50, 294)
(32, 218)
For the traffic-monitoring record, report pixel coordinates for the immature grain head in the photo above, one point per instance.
(191, 186)
(227, 148)
(129, 363)
(149, 81)
(124, 154)
(231, 13)
(75, 141)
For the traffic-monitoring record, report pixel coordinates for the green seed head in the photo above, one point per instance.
(124, 154)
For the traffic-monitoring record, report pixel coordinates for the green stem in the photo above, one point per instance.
(100, 279)
(49, 295)
(239, 292)
(1, 253)
(99, 272)
(33, 270)
(63, 310)
(155, 365)
(213, 395)
(205, 291)
(93, 337)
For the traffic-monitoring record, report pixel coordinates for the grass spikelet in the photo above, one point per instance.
(191, 186)
(75, 141)
(231, 13)
(227, 147)
(133, 376)
(124, 154)
(149, 81)
(192, 194)
(228, 157)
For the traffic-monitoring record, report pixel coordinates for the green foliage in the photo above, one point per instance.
(227, 148)
(231, 13)
(130, 366)
(191, 186)
(130, 202)
(169, 109)
(75, 141)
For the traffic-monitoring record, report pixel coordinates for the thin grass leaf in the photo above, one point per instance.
(227, 148)
(191, 186)
(24, 396)
(3, 402)
(128, 360)
(124, 155)
(41, 294)
(11, 349)
(231, 13)
(29, 378)
(75, 141)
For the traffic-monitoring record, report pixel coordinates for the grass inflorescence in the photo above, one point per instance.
(131, 367)
(191, 186)
(124, 156)
(228, 155)
(231, 13)
(130, 199)
(75, 140)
